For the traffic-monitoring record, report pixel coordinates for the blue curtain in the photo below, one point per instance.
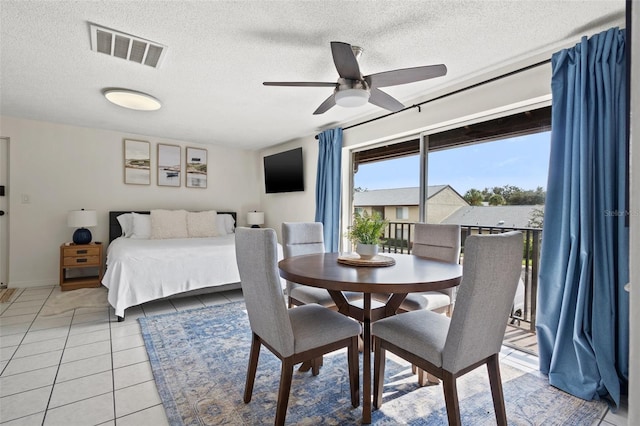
(583, 310)
(328, 186)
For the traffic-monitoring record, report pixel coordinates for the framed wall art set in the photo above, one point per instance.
(137, 165)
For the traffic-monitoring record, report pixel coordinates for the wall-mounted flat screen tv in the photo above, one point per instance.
(283, 172)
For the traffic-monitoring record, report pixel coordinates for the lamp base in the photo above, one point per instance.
(255, 226)
(82, 236)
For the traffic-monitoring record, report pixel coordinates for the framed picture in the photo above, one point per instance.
(169, 165)
(196, 168)
(137, 162)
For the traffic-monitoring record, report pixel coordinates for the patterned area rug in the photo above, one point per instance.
(199, 361)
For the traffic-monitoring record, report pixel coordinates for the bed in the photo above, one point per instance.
(141, 268)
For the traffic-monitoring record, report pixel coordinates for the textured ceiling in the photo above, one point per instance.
(220, 52)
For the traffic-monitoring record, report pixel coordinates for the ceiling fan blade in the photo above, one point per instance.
(345, 61)
(299, 84)
(405, 75)
(384, 100)
(326, 105)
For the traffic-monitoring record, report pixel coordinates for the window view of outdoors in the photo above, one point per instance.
(484, 187)
(508, 174)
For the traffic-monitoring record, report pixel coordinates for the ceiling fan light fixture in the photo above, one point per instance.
(352, 97)
(132, 99)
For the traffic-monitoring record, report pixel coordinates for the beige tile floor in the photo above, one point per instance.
(85, 368)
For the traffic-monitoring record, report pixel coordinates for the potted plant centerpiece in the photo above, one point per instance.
(366, 233)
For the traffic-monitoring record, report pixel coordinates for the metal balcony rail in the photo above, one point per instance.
(398, 239)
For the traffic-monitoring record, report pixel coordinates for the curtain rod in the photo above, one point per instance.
(455, 92)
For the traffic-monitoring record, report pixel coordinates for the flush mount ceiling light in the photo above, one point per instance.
(131, 99)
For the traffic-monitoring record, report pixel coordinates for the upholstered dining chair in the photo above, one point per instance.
(300, 238)
(441, 242)
(293, 335)
(450, 347)
(436, 241)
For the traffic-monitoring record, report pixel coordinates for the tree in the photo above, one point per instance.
(536, 220)
(496, 200)
(473, 197)
(527, 197)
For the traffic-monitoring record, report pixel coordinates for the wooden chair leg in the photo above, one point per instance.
(451, 398)
(493, 368)
(354, 372)
(379, 358)
(315, 366)
(286, 376)
(425, 378)
(253, 366)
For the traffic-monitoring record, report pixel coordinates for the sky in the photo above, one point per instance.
(521, 161)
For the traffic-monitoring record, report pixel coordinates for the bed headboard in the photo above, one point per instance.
(114, 226)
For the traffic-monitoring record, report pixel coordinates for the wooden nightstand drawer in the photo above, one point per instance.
(81, 261)
(80, 251)
(80, 265)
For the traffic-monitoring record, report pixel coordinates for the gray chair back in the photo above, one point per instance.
(300, 238)
(257, 257)
(438, 241)
(491, 268)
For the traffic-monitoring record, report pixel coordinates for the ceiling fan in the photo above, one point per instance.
(353, 89)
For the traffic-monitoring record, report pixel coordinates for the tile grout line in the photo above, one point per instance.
(26, 332)
(113, 370)
(55, 378)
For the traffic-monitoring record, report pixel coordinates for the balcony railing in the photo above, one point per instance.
(399, 239)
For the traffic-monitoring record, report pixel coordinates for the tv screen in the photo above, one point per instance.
(283, 172)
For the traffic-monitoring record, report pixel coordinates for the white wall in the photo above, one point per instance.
(62, 168)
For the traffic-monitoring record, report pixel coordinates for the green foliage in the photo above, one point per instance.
(473, 197)
(512, 195)
(536, 220)
(496, 200)
(367, 229)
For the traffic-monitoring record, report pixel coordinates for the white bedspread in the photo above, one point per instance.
(139, 271)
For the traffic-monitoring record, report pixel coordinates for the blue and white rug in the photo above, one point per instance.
(199, 361)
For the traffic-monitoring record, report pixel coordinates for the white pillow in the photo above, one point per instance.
(202, 224)
(168, 224)
(225, 224)
(126, 224)
(230, 223)
(141, 226)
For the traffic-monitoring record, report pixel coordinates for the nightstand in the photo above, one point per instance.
(80, 265)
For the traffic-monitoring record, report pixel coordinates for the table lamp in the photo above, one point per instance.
(82, 219)
(255, 219)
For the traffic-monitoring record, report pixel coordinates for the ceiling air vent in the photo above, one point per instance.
(126, 46)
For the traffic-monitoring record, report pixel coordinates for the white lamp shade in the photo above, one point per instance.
(82, 218)
(255, 218)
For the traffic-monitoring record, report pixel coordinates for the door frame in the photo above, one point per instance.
(4, 219)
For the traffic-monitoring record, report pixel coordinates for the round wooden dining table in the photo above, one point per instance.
(408, 274)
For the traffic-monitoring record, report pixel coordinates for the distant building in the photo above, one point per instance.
(402, 204)
(507, 216)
